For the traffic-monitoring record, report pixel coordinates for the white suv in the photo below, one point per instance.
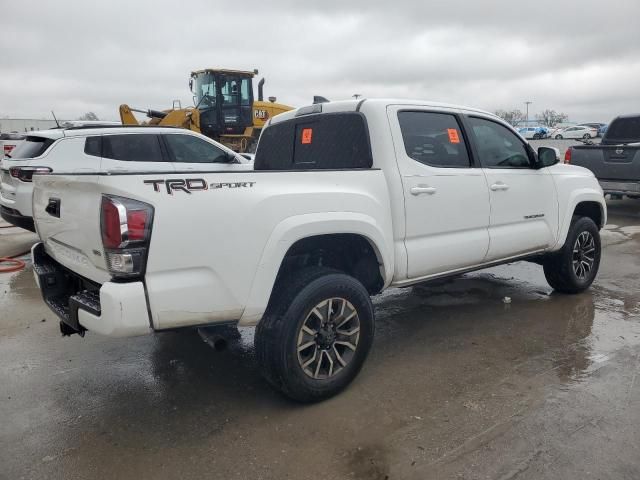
(104, 149)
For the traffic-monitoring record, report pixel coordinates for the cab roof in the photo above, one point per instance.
(373, 103)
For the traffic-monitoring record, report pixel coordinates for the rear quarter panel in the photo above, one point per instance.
(215, 253)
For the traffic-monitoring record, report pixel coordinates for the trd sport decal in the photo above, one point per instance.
(188, 185)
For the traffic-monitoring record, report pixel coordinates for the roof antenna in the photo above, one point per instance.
(54, 117)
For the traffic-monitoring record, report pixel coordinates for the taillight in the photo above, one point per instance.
(567, 155)
(25, 174)
(126, 231)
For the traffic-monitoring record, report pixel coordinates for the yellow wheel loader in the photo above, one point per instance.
(225, 109)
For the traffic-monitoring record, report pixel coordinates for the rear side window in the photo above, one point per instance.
(32, 147)
(315, 142)
(132, 147)
(624, 130)
(190, 149)
(434, 139)
(93, 146)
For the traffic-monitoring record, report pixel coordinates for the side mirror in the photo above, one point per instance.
(191, 84)
(548, 156)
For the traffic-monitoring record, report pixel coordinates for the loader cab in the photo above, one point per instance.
(224, 99)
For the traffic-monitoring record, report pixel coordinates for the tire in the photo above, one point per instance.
(586, 136)
(280, 334)
(558, 137)
(560, 269)
(536, 136)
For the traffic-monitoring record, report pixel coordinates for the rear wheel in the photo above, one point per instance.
(574, 267)
(316, 334)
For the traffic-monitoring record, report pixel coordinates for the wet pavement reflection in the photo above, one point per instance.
(460, 384)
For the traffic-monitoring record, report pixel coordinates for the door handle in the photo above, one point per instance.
(499, 186)
(421, 190)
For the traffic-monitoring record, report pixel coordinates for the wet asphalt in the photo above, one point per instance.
(459, 385)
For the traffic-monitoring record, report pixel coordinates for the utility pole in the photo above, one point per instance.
(527, 103)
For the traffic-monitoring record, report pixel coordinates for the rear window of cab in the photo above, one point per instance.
(316, 142)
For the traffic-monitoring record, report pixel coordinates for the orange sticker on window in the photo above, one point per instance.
(453, 135)
(307, 134)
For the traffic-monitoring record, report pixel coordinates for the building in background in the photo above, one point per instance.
(21, 125)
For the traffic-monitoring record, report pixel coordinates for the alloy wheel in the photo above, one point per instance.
(583, 257)
(328, 338)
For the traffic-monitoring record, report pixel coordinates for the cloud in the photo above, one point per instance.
(580, 57)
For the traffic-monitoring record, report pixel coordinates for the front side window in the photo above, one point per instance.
(190, 149)
(132, 147)
(205, 90)
(434, 139)
(497, 146)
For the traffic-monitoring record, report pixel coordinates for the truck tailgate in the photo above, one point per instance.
(610, 162)
(66, 211)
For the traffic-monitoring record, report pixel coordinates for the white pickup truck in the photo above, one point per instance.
(345, 200)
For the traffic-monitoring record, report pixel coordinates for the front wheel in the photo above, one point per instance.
(586, 136)
(316, 335)
(558, 137)
(575, 266)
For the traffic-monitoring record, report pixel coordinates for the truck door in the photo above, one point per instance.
(446, 197)
(524, 204)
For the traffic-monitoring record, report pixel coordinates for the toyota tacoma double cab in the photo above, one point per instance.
(346, 199)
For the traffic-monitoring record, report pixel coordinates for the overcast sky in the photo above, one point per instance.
(579, 57)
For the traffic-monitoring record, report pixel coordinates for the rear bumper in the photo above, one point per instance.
(620, 188)
(15, 218)
(111, 309)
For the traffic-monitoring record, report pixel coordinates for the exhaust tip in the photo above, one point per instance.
(220, 344)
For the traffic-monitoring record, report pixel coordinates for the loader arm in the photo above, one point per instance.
(126, 115)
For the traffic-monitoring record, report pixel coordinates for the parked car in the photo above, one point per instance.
(535, 133)
(616, 161)
(600, 127)
(345, 200)
(9, 141)
(103, 149)
(577, 131)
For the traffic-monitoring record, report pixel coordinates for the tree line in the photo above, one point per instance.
(548, 118)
